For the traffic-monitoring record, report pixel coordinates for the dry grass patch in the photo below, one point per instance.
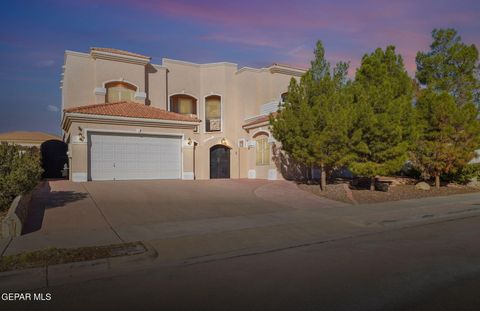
(54, 256)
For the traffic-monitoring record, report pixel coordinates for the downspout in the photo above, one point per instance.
(194, 155)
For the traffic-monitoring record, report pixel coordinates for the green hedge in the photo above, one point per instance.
(20, 170)
(465, 174)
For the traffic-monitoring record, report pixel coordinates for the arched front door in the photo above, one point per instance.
(219, 162)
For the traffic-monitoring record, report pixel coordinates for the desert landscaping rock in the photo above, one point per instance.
(474, 183)
(333, 192)
(382, 186)
(422, 186)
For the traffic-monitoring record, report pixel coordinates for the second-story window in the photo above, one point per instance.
(119, 92)
(213, 113)
(183, 104)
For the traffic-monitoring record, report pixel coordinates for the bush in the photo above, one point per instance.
(20, 170)
(464, 175)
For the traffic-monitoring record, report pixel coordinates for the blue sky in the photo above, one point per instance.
(35, 34)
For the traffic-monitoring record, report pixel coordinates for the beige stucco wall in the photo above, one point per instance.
(108, 70)
(83, 75)
(242, 93)
(78, 80)
(157, 86)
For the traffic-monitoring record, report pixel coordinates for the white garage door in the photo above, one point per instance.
(124, 157)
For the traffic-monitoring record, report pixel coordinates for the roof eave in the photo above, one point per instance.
(69, 117)
(255, 125)
(119, 57)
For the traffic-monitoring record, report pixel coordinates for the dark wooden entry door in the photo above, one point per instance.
(219, 162)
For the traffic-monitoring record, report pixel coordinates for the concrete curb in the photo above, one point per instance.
(54, 275)
(4, 243)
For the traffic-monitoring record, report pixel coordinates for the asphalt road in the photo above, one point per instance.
(433, 266)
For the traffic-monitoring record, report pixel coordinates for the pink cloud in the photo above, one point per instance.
(242, 39)
(290, 29)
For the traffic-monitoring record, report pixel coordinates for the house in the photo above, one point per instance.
(126, 118)
(51, 148)
(27, 139)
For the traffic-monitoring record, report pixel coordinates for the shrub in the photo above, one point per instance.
(20, 170)
(465, 174)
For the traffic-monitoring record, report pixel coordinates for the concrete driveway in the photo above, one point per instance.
(251, 244)
(66, 214)
(202, 220)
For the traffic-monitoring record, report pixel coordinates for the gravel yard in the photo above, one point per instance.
(339, 192)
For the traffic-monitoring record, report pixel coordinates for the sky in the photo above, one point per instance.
(34, 35)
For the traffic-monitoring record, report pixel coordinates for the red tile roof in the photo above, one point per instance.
(131, 110)
(120, 52)
(259, 120)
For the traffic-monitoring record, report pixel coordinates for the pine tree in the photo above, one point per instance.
(384, 126)
(294, 124)
(449, 134)
(313, 123)
(447, 107)
(450, 66)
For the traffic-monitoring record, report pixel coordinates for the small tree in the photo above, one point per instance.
(313, 122)
(335, 120)
(447, 107)
(384, 126)
(294, 124)
(449, 134)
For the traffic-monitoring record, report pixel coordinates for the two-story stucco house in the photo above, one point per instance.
(126, 118)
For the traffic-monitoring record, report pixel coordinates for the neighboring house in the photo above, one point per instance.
(27, 139)
(52, 150)
(126, 118)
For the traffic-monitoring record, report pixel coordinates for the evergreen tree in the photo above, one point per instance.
(294, 124)
(384, 127)
(449, 134)
(450, 66)
(334, 123)
(447, 108)
(313, 123)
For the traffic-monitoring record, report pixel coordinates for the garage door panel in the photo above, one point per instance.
(124, 157)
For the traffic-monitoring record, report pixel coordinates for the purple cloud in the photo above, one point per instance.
(248, 32)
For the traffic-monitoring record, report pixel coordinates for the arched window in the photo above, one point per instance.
(119, 92)
(213, 113)
(283, 97)
(262, 149)
(183, 104)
